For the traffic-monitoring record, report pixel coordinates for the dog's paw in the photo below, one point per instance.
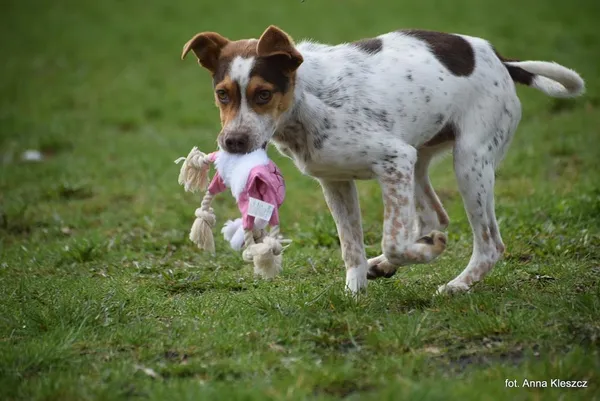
(437, 240)
(453, 287)
(356, 280)
(380, 267)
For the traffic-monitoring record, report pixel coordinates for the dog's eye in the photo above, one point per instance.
(223, 96)
(263, 97)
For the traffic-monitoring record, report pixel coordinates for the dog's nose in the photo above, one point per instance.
(237, 142)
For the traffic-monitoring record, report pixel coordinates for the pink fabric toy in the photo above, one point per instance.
(259, 190)
(264, 182)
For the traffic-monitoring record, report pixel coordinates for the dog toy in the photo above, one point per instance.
(259, 190)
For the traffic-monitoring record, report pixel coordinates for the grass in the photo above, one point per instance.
(103, 297)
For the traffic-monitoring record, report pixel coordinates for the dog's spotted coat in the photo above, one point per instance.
(382, 108)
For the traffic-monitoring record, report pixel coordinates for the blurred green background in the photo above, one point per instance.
(99, 282)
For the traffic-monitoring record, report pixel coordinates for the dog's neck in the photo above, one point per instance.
(300, 129)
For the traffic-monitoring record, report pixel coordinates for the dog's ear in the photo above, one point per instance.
(207, 47)
(275, 42)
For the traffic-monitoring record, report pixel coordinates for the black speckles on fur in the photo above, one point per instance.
(381, 117)
(318, 141)
(427, 99)
(389, 158)
(390, 170)
(370, 46)
(292, 138)
(439, 118)
(409, 77)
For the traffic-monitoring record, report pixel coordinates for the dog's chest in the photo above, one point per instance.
(321, 150)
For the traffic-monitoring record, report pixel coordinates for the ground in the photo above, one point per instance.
(103, 296)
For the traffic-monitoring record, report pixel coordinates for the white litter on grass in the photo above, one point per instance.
(32, 155)
(148, 371)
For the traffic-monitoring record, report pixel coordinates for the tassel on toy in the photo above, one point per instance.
(201, 232)
(194, 171)
(194, 176)
(266, 255)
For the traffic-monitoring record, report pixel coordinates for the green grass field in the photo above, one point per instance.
(102, 296)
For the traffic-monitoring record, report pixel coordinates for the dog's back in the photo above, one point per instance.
(410, 82)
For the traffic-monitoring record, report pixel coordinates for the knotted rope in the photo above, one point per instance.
(266, 255)
(194, 177)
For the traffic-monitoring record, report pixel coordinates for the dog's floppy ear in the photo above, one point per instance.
(275, 42)
(207, 47)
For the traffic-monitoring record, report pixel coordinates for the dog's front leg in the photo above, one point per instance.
(342, 199)
(401, 245)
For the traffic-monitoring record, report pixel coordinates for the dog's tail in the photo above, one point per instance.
(551, 78)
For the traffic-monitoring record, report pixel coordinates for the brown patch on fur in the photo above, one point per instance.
(437, 206)
(207, 48)
(442, 217)
(279, 102)
(402, 201)
(453, 51)
(446, 134)
(387, 207)
(275, 42)
(371, 46)
(485, 235)
(257, 84)
(277, 63)
(241, 48)
(396, 227)
(215, 52)
(228, 111)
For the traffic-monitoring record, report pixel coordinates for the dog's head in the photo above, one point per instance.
(253, 82)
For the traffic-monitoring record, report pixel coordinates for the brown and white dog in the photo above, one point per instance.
(381, 108)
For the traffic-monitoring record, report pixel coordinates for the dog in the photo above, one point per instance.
(382, 108)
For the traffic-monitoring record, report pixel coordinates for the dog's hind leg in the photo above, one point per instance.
(477, 152)
(430, 211)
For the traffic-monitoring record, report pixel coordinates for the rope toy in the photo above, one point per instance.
(259, 190)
